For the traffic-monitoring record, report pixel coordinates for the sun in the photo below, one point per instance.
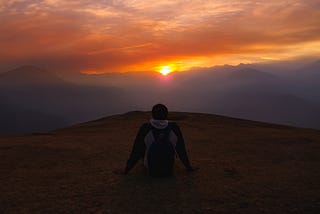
(165, 70)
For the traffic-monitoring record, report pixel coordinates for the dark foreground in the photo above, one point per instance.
(245, 167)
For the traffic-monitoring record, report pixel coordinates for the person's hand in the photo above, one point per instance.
(120, 171)
(193, 169)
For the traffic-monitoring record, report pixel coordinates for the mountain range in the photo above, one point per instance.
(42, 95)
(249, 91)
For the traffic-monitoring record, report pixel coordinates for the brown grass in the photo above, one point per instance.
(245, 167)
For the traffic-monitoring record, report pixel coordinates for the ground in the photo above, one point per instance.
(245, 167)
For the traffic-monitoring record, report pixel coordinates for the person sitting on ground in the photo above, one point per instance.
(157, 143)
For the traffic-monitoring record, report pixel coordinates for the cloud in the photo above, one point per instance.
(120, 35)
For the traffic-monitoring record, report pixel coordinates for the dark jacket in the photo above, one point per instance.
(143, 140)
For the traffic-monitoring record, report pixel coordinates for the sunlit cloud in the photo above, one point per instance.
(125, 35)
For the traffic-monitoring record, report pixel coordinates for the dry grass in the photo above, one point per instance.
(245, 167)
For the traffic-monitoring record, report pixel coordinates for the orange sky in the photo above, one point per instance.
(136, 35)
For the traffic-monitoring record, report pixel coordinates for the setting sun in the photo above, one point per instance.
(165, 70)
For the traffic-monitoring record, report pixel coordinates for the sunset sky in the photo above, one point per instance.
(139, 35)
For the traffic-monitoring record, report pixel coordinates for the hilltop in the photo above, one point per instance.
(245, 167)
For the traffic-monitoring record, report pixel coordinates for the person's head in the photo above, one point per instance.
(159, 112)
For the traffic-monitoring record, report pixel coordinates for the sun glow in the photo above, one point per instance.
(165, 70)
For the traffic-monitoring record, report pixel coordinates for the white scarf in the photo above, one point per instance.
(159, 124)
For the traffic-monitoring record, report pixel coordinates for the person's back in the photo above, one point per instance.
(157, 142)
(160, 153)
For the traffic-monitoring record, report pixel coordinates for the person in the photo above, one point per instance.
(157, 143)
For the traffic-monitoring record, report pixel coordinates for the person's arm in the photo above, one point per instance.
(138, 148)
(180, 147)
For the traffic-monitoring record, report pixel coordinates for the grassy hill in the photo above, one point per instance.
(245, 167)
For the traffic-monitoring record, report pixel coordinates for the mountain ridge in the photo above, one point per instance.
(240, 91)
(29, 75)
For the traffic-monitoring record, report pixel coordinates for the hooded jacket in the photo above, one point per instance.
(145, 137)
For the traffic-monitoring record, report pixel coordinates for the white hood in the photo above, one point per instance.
(159, 124)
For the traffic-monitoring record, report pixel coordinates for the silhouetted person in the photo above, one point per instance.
(157, 143)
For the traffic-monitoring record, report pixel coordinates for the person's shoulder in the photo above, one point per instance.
(175, 128)
(173, 125)
(144, 129)
(145, 126)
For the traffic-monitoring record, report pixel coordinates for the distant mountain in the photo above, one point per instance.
(246, 93)
(34, 91)
(250, 74)
(242, 91)
(115, 79)
(312, 69)
(305, 81)
(268, 107)
(17, 120)
(29, 75)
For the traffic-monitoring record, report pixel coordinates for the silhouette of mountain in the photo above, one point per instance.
(241, 91)
(29, 75)
(304, 81)
(268, 107)
(245, 167)
(311, 70)
(251, 74)
(245, 93)
(249, 79)
(30, 88)
(16, 120)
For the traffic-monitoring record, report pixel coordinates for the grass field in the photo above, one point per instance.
(245, 167)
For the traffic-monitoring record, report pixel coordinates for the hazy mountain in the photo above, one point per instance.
(34, 89)
(247, 91)
(242, 91)
(116, 79)
(29, 76)
(15, 120)
(311, 70)
(250, 74)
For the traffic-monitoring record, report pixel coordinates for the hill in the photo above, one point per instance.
(245, 167)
